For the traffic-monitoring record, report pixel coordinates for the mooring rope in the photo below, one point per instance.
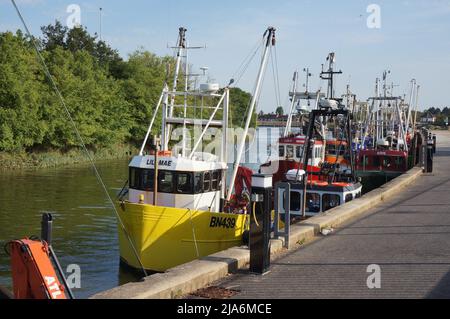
(193, 233)
(63, 103)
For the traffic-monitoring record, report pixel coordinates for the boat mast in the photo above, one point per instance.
(270, 33)
(291, 110)
(408, 119)
(329, 75)
(181, 46)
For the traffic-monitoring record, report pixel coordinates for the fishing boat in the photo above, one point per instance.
(311, 193)
(386, 147)
(329, 179)
(178, 202)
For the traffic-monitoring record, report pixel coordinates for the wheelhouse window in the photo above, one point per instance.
(313, 202)
(184, 183)
(165, 181)
(215, 181)
(198, 183)
(133, 178)
(281, 150)
(206, 182)
(299, 151)
(290, 151)
(219, 180)
(148, 178)
(330, 201)
(387, 162)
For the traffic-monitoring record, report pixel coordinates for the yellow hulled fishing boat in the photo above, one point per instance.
(178, 206)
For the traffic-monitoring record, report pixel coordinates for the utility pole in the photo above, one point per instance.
(101, 13)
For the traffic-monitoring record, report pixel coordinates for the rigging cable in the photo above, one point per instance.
(246, 62)
(83, 145)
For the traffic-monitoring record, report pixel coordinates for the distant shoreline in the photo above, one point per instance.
(56, 158)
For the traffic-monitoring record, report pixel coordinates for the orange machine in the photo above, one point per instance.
(34, 276)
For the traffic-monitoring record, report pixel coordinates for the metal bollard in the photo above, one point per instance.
(261, 207)
(434, 144)
(429, 156)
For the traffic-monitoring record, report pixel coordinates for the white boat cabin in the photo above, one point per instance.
(184, 183)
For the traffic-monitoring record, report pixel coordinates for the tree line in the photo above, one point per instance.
(110, 99)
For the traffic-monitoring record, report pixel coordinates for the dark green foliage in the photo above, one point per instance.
(110, 100)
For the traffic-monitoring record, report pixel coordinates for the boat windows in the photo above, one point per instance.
(175, 182)
(296, 202)
(330, 201)
(215, 181)
(281, 151)
(299, 151)
(348, 198)
(198, 183)
(387, 162)
(313, 202)
(290, 151)
(317, 152)
(148, 178)
(134, 178)
(165, 181)
(184, 183)
(206, 182)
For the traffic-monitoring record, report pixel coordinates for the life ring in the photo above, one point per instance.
(341, 184)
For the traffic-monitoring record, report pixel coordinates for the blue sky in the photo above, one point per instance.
(413, 41)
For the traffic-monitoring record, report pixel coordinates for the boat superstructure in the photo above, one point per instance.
(177, 208)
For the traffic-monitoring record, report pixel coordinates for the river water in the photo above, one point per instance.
(84, 227)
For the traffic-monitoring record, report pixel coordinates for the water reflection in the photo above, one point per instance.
(84, 231)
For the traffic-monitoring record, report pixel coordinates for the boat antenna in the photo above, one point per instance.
(329, 75)
(80, 138)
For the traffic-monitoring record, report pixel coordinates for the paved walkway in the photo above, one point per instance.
(407, 236)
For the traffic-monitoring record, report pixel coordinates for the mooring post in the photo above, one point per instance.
(434, 144)
(429, 154)
(47, 228)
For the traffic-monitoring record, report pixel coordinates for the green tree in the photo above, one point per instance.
(143, 79)
(21, 100)
(239, 103)
(279, 111)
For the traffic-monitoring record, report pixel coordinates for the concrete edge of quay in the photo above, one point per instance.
(189, 277)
